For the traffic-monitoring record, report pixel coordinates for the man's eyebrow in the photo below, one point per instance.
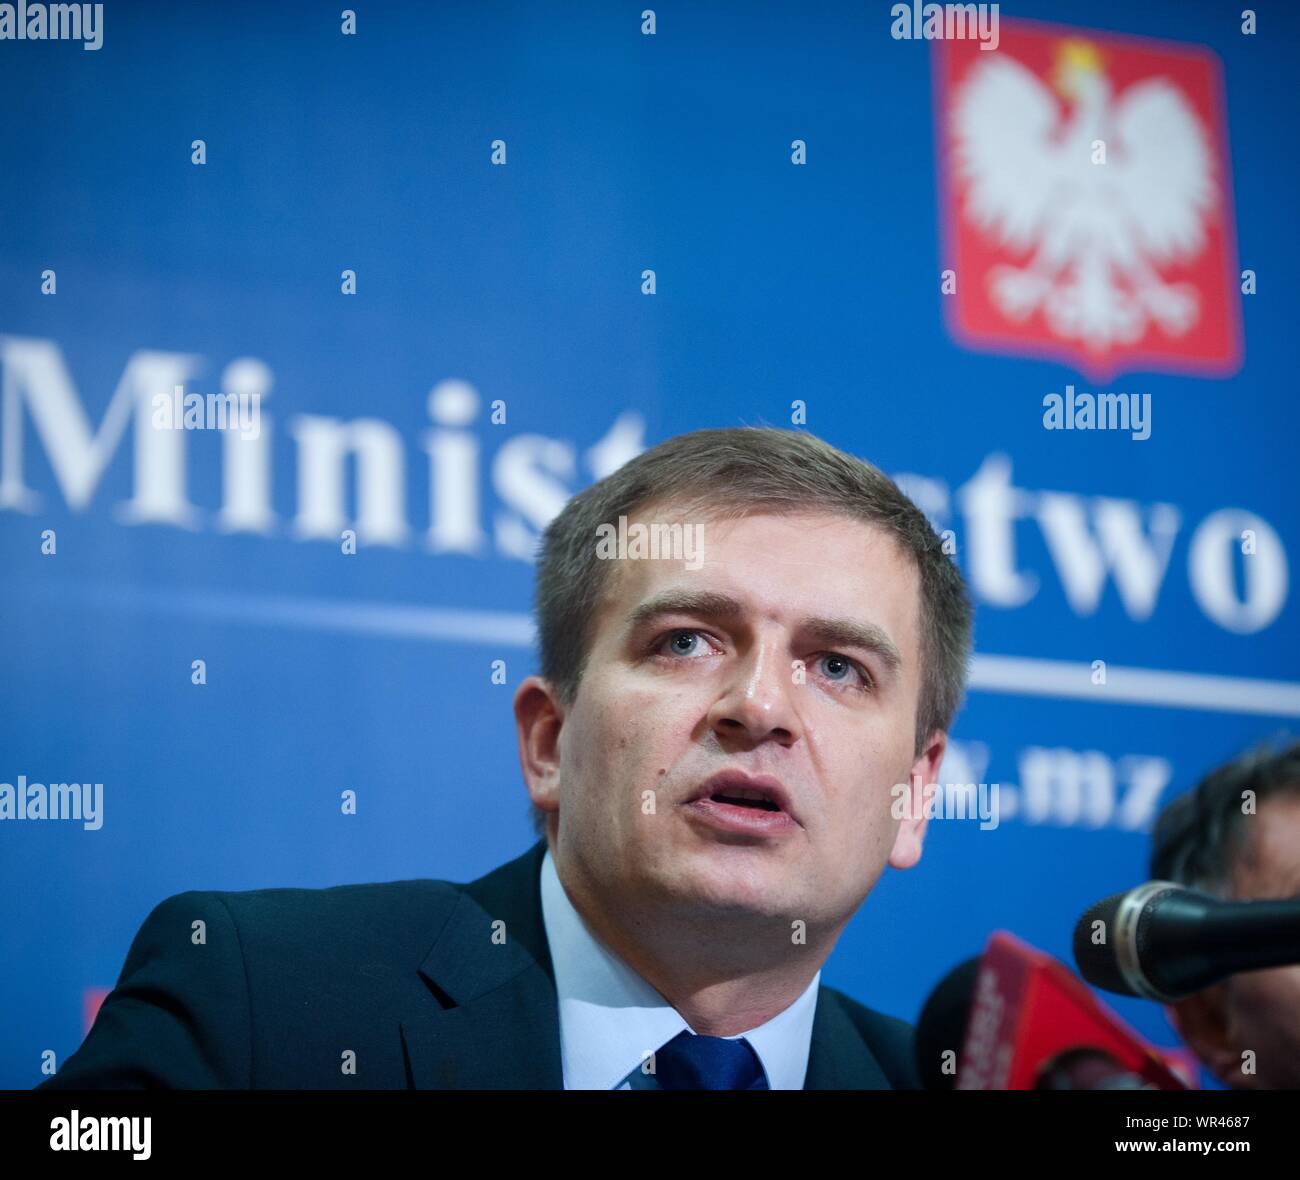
(704, 603)
(710, 605)
(849, 633)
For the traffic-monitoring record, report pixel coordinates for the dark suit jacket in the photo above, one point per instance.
(406, 975)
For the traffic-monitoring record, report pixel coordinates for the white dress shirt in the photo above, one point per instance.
(611, 1019)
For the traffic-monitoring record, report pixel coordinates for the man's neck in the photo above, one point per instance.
(724, 975)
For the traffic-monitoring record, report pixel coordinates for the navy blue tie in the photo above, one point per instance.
(691, 1062)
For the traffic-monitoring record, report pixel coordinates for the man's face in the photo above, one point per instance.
(1255, 1011)
(692, 672)
(1263, 1007)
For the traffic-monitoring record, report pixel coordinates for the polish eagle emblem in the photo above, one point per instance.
(1099, 205)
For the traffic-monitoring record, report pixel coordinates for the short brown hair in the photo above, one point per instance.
(735, 472)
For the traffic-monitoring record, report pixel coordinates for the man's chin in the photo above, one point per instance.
(730, 879)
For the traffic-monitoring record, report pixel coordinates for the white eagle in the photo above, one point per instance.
(1097, 231)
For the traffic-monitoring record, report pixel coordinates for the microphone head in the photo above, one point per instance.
(942, 1024)
(1113, 941)
(1099, 963)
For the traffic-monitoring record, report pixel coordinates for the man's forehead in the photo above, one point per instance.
(819, 564)
(1269, 861)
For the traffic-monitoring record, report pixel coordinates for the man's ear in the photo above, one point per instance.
(1202, 1023)
(911, 829)
(538, 719)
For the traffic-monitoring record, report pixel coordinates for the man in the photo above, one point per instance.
(1237, 835)
(711, 749)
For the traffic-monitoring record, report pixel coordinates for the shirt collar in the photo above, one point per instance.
(611, 1018)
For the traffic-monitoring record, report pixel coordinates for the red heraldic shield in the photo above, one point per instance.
(1087, 201)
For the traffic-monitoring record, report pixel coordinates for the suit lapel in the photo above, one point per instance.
(839, 1058)
(491, 963)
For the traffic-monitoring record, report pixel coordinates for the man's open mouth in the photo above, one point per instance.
(738, 791)
(749, 799)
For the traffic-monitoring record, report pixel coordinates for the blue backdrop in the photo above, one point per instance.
(127, 268)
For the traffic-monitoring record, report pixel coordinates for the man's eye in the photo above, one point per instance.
(680, 643)
(841, 670)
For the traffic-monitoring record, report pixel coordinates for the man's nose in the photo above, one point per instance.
(758, 700)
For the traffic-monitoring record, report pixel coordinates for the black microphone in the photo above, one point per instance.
(941, 1027)
(1163, 941)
